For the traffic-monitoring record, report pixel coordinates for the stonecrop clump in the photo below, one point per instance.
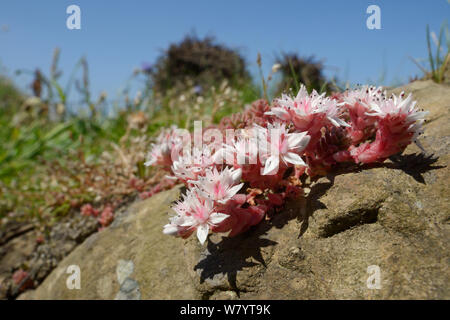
(248, 165)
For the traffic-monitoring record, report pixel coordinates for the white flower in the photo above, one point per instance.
(187, 166)
(396, 106)
(173, 227)
(194, 212)
(286, 146)
(202, 216)
(181, 209)
(160, 153)
(364, 95)
(301, 109)
(403, 109)
(241, 150)
(219, 186)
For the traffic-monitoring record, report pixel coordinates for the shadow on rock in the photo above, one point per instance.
(415, 164)
(231, 255)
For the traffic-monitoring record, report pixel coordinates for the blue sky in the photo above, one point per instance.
(118, 36)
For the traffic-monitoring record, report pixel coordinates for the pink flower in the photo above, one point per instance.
(188, 166)
(219, 186)
(286, 148)
(194, 213)
(399, 114)
(398, 124)
(306, 134)
(364, 95)
(308, 112)
(357, 103)
(181, 209)
(202, 218)
(241, 150)
(161, 152)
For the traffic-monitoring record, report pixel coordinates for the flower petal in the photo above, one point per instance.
(218, 217)
(170, 229)
(232, 191)
(202, 232)
(294, 159)
(338, 122)
(294, 139)
(279, 112)
(188, 222)
(236, 175)
(271, 166)
(298, 140)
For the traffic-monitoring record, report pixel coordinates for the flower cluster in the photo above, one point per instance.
(246, 167)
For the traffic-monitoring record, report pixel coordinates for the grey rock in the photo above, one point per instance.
(395, 216)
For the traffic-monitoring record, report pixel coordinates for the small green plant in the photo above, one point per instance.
(439, 61)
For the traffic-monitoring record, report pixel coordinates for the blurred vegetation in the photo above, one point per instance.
(202, 61)
(54, 159)
(307, 70)
(438, 61)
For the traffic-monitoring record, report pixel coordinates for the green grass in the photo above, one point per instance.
(438, 62)
(50, 160)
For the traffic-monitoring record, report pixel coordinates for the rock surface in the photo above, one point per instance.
(21, 250)
(131, 259)
(393, 218)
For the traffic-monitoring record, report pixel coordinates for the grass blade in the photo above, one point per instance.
(294, 76)
(430, 54)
